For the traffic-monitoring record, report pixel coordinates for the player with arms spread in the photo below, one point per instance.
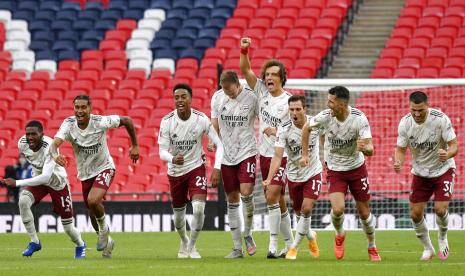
(48, 178)
(304, 183)
(233, 115)
(272, 112)
(347, 142)
(432, 141)
(180, 140)
(87, 134)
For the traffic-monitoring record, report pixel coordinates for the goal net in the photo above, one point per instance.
(384, 102)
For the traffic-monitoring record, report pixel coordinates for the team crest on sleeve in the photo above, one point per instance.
(245, 108)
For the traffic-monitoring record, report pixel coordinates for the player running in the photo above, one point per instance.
(347, 142)
(304, 183)
(48, 178)
(432, 141)
(87, 134)
(180, 140)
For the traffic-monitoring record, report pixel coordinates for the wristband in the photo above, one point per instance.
(244, 51)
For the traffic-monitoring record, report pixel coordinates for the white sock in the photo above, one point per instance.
(198, 207)
(247, 213)
(369, 230)
(285, 228)
(25, 202)
(309, 232)
(180, 222)
(235, 225)
(274, 220)
(72, 232)
(422, 233)
(338, 223)
(302, 230)
(442, 223)
(102, 224)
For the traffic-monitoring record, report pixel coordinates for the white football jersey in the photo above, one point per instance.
(38, 160)
(341, 152)
(272, 112)
(90, 144)
(184, 137)
(236, 119)
(289, 137)
(424, 142)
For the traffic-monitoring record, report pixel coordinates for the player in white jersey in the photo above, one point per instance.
(87, 134)
(304, 183)
(272, 112)
(347, 142)
(48, 178)
(180, 140)
(233, 115)
(433, 144)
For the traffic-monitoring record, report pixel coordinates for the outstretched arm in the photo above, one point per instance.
(127, 123)
(41, 179)
(305, 142)
(244, 62)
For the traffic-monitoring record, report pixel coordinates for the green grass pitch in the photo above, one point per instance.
(155, 254)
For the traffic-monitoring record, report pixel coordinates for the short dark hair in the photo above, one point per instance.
(418, 97)
(296, 98)
(37, 124)
(83, 97)
(229, 77)
(282, 69)
(341, 92)
(183, 86)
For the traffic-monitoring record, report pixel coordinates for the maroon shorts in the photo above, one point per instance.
(102, 181)
(233, 176)
(61, 200)
(280, 177)
(442, 187)
(300, 190)
(184, 187)
(355, 180)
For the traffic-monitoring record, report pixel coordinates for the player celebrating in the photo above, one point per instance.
(233, 115)
(87, 134)
(180, 140)
(347, 141)
(429, 135)
(273, 111)
(47, 179)
(304, 183)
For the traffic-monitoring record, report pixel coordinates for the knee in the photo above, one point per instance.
(305, 210)
(440, 211)
(24, 202)
(416, 215)
(338, 211)
(93, 202)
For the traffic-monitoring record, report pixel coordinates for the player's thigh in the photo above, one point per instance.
(359, 184)
(230, 178)
(197, 183)
(296, 195)
(307, 206)
(312, 187)
(62, 202)
(363, 208)
(337, 200)
(417, 210)
(179, 188)
(37, 192)
(337, 182)
(273, 194)
(246, 175)
(422, 189)
(444, 186)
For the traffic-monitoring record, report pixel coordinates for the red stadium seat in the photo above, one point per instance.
(428, 72)
(410, 62)
(429, 21)
(406, 32)
(414, 52)
(397, 42)
(404, 73)
(244, 12)
(387, 63)
(452, 72)
(419, 42)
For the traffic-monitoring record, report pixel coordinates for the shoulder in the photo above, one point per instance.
(356, 112)
(22, 142)
(436, 113)
(96, 118)
(199, 114)
(70, 120)
(406, 119)
(324, 113)
(287, 94)
(168, 116)
(46, 141)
